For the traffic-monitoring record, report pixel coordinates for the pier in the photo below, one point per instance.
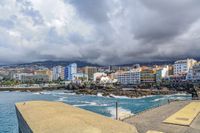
(58, 117)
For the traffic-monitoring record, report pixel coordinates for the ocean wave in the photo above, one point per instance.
(174, 97)
(80, 105)
(177, 94)
(142, 97)
(159, 99)
(125, 97)
(70, 93)
(54, 93)
(61, 99)
(122, 113)
(91, 103)
(181, 94)
(44, 93)
(178, 98)
(99, 94)
(36, 93)
(86, 103)
(63, 93)
(7, 91)
(121, 97)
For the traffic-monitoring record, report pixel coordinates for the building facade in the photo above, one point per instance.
(162, 73)
(196, 72)
(97, 76)
(148, 75)
(58, 72)
(183, 66)
(44, 72)
(29, 77)
(79, 77)
(70, 71)
(89, 71)
(35, 78)
(129, 77)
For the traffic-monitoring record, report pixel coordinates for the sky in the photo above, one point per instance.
(99, 31)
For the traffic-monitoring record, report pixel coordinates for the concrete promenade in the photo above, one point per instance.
(57, 117)
(153, 119)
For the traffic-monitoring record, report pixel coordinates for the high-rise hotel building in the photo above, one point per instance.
(70, 71)
(183, 66)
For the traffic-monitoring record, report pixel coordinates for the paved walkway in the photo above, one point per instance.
(153, 120)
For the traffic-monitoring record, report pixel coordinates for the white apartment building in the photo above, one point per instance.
(98, 76)
(58, 72)
(129, 77)
(162, 73)
(183, 66)
(19, 76)
(25, 77)
(165, 72)
(196, 72)
(190, 75)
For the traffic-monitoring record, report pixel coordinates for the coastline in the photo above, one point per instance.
(116, 93)
(99, 104)
(31, 89)
(135, 93)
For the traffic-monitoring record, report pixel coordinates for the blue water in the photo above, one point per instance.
(98, 104)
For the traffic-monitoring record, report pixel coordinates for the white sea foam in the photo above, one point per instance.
(36, 93)
(178, 98)
(60, 93)
(61, 99)
(142, 97)
(85, 103)
(64, 93)
(121, 97)
(99, 94)
(80, 105)
(172, 97)
(42, 93)
(6, 91)
(159, 99)
(92, 103)
(177, 94)
(70, 93)
(122, 113)
(125, 97)
(181, 94)
(45, 93)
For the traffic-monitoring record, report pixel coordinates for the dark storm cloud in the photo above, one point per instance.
(101, 31)
(165, 20)
(95, 10)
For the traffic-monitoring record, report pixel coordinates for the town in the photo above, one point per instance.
(182, 75)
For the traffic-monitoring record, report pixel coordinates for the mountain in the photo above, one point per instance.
(50, 64)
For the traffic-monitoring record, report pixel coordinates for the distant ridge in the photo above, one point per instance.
(50, 64)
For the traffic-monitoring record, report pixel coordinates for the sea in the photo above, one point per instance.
(95, 103)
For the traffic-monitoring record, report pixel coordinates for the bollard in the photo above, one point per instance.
(116, 110)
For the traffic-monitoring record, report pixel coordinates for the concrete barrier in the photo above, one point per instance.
(57, 117)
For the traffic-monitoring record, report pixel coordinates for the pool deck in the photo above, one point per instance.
(153, 119)
(58, 117)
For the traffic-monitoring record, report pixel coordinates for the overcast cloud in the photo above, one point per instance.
(99, 31)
